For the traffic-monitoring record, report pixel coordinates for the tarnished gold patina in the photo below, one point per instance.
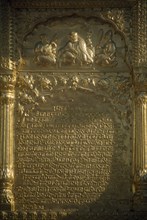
(73, 109)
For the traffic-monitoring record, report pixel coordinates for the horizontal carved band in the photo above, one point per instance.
(71, 4)
(63, 214)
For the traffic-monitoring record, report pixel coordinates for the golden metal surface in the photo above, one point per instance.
(73, 110)
(67, 140)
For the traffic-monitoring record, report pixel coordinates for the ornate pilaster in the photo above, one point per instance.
(140, 88)
(141, 149)
(7, 95)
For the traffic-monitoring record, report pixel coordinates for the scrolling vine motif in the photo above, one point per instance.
(117, 16)
(32, 90)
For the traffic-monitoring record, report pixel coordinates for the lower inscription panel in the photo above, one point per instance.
(63, 157)
(67, 157)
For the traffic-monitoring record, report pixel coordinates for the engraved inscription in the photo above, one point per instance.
(63, 157)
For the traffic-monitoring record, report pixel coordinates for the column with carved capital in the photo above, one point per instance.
(7, 97)
(141, 149)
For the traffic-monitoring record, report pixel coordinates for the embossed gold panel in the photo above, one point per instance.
(69, 145)
(73, 105)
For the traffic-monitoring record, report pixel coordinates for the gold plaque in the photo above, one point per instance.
(73, 110)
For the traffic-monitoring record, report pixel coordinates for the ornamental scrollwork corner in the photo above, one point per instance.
(32, 91)
(29, 95)
(117, 17)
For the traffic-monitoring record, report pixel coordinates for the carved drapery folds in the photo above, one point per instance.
(7, 84)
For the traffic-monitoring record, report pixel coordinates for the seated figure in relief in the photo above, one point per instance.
(76, 51)
(45, 51)
(105, 51)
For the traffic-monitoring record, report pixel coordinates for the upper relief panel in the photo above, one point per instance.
(75, 42)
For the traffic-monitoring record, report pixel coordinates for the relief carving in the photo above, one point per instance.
(31, 18)
(45, 51)
(117, 16)
(41, 88)
(37, 90)
(105, 54)
(100, 47)
(78, 48)
(76, 51)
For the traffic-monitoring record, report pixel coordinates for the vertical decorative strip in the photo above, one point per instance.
(139, 69)
(7, 97)
(140, 33)
(141, 147)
